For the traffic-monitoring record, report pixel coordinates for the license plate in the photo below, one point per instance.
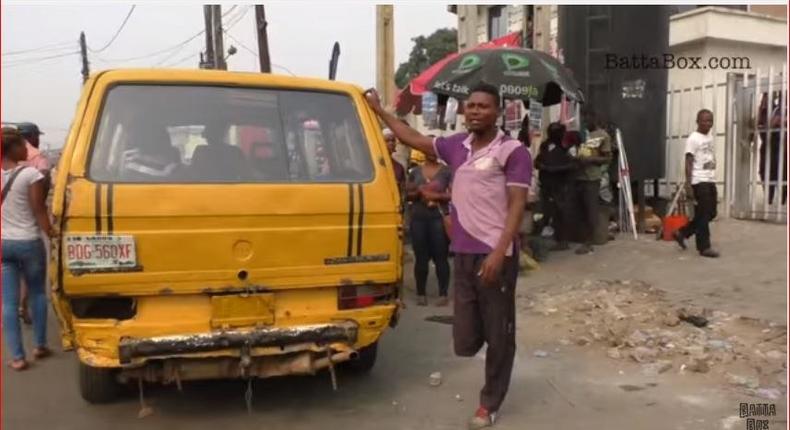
(238, 310)
(100, 253)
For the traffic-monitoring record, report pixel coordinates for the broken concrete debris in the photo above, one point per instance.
(656, 368)
(696, 320)
(643, 354)
(671, 319)
(631, 320)
(742, 381)
(698, 365)
(768, 393)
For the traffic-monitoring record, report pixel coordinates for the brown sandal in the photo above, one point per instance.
(18, 365)
(41, 352)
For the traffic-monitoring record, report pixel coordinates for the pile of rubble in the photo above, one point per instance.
(633, 321)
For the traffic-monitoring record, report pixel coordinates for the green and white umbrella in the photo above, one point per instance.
(518, 73)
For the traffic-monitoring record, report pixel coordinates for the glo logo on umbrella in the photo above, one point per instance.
(468, 63)
(515, 64)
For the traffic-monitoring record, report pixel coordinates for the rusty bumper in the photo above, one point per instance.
(130, 348)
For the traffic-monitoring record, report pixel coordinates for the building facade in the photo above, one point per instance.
(726, 40)
(481, 23)
(752, 34)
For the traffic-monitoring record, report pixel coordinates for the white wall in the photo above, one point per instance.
(727, 24)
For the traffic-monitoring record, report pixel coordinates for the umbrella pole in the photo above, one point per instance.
(504, 114)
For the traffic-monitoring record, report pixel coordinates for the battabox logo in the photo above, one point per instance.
(672, 61)
(756, 413)
(757, 410)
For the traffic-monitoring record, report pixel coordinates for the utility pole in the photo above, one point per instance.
(219, 37)
(385, 54)
(263, 39)
(84, 53)
(208, 61)
(385, 68)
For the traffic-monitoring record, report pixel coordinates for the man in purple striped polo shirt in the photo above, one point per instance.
(491, 174)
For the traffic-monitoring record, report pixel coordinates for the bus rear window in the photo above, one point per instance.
(201, 134)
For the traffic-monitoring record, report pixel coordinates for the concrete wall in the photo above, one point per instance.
(542, 30)
(515, 18)
(467, 26)
(777, 10)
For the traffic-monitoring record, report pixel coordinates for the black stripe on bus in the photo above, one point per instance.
(109, 209)
(97, 203)
(350, 220)
(361, 214)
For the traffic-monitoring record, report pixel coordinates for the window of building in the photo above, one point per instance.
(529, 27)
(497, 22)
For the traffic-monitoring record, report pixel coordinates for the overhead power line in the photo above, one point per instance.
(37, 60)
(231, 22)
(284, 69)
(43, 49)
(195, 55)
(235, 20)
(155, 53)
(46, 48)
(117, 32)
(240, 43)
(251, 51)
(162, 51)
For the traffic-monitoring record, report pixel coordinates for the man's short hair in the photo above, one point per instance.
(489, 89)
(556, 130)
(11, 138)
(702, 111)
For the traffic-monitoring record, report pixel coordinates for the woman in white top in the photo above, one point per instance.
(24, 217)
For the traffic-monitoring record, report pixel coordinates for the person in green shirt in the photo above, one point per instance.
(593, 155)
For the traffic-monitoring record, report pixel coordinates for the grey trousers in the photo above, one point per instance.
(486, 314)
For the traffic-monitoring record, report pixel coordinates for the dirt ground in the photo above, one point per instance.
(559, 381)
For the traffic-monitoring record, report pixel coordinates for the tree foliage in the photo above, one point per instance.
(425, 52)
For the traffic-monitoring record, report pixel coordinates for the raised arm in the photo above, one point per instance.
(403, 132)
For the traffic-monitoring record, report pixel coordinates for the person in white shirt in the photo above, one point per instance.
(24, 216)
(700, 185)
(31, 133)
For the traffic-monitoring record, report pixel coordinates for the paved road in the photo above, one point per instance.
(575, 388)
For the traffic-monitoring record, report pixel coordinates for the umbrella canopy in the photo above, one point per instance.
(411, 97)
(518, 73)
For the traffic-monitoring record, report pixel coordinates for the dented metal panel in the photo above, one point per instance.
(130, 348)
(241, 310)
(176, 370)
